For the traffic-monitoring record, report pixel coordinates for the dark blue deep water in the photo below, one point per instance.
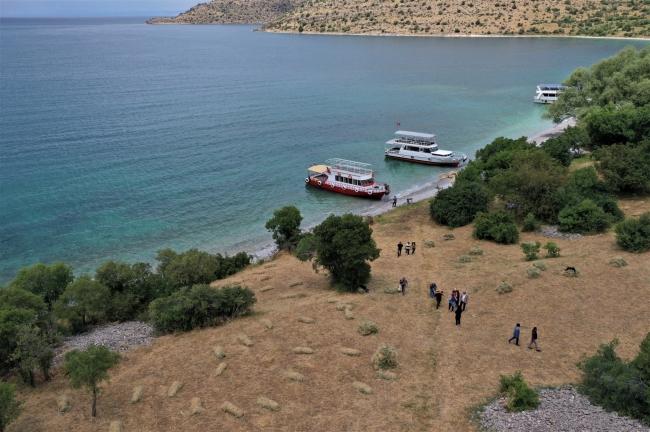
(118, 138)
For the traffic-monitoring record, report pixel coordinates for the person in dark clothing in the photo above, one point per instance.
(399, 249)
(403, 283)
(459, 311)
(438, 298)
(395, 201)
(432, 290)
(515, 335)
(533, 340)
(412, 248)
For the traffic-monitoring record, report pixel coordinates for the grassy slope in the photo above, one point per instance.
(231, 12)
(444, 370)
(422, 17)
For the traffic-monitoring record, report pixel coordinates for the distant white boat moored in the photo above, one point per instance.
(421, 148)
(548, 93)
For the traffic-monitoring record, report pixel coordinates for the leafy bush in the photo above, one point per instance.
(530, 223)
(552, 250)
(198, 267)
(458, 205)
(385, 357)
(561, 147)
(342, 245)
(367, 328)
(584, 218)
(496, 226)
(533, 272)
(285, 226)
(617, 385)
(47, 281)
(9, 407)
(520, 396)
(199, 306)
(633, 235)
(531, 250)
(33, 351)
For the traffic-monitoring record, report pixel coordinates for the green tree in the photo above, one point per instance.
(562, 147)
(458, 205)
(17, 308)
(84, 301)
(343, 245)
(285, 226)
(197, 267)
(132, 287)
(497, 226)
(626, 168)
(89, 368)
(33, 351)
(46, 281)
(9, 407)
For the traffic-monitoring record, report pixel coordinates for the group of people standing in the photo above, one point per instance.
(457, 301)
(533, 337)
(409, 248)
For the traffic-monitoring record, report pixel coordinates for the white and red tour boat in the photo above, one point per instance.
(347, 178)
(421, 148)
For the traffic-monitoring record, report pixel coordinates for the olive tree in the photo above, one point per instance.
(285, 226)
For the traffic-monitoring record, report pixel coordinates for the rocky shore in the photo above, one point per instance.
(562, 409)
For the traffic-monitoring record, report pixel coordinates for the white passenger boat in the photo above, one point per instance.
(548, 93)
(421, 148)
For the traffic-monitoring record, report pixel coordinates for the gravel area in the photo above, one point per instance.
(118, 337)
(560, 410)
(552, 231)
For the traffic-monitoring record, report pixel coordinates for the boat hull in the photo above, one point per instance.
(423, 162)
(349, 191)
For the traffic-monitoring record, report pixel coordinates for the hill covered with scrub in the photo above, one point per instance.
(628, 18)
(279, 346)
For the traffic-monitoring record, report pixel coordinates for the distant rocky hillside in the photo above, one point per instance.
(427, 17)
(231, 12)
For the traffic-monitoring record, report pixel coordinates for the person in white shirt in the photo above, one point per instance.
(464, 298)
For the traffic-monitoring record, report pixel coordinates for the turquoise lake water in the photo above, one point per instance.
(118, 138)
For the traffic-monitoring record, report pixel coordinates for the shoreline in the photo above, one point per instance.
(418, 192)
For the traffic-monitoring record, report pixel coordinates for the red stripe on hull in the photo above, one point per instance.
(345, 191)
(451, 164)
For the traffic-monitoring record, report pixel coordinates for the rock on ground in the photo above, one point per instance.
(117, 337)
(552, 231)
(562, 409)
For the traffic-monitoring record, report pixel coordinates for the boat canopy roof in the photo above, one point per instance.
(551, 86)
(442, 153)
(351, 167)
(415, 135)
(318, 169)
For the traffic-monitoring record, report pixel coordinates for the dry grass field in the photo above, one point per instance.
(443, 370)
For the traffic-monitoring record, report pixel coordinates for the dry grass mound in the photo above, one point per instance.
(267, 403)
(362, 387)
(302, 350)
(137, 394)
(367, 328)
(195, 406)
(220, 369)
(385, 357)
(232, 409)
(174, 388)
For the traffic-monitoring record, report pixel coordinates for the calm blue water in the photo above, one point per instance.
(118, 138)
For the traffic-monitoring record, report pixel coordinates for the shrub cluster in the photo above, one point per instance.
(199, 306)
(520, 397)
(617, 385)
(497, 226)
(585, 217)
(634, 234)
(458, 205)
(385, 357)
(531, 250)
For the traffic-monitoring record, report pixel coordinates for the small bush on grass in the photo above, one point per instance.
(618, 262)
(498, 226)
(367, 328)
(504, 288)
(199, 306)
(385, 357)
(585, 218)
(530, 223)
(531, 250)
(520, 396)
(476, 251)
(464, 259)
(552, 250)
(633, 235)
(429, 243)
(618, 385)
(533, 272)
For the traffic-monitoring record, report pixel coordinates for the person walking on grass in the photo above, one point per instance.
(515, 335)
(399, 249)
(458, 313)
(438, 298)
(464, 298)
(407, 248)
(412, 248)
(452, 301)
(432, 290)
(533, 340)
(403, 283)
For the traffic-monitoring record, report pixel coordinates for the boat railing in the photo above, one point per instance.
(350, 166)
